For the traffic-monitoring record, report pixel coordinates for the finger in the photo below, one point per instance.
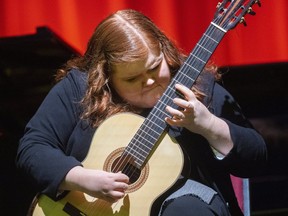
(189, 105)
(175, 114)
(187, 93)
(122, 177)
(116, 195)
(183, 103)
(122, 187)
(171, 121)
(113, 196)
(178, 116)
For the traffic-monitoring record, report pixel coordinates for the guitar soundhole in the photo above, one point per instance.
(115, 163)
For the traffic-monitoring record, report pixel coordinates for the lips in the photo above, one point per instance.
(152, 89)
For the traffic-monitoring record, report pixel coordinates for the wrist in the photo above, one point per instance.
(218, 135)
(72, 179)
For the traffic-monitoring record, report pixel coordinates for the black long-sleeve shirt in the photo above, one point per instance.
(56, 140)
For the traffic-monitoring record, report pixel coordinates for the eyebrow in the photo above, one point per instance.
(156, 61)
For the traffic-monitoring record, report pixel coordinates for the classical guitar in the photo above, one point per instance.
(140, 147)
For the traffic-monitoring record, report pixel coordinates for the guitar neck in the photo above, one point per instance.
(198, 58)
(144, 141)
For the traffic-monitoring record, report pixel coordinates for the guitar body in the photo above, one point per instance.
(156, 165)
(159, 173)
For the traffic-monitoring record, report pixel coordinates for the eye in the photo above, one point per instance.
(132, 79)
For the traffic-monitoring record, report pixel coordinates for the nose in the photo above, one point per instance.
(149, 81)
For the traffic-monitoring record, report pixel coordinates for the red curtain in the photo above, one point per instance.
(264, 40)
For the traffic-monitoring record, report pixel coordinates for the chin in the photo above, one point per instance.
(146, 103)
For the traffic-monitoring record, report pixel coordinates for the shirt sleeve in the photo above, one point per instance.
(41, 153)
(249, 154)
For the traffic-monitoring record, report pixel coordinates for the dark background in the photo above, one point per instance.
(27, 66)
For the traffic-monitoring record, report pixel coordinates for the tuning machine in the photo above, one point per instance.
(243, 21)
(251, 12)
(258, 3)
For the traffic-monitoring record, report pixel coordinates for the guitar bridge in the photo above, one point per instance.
(72, 210)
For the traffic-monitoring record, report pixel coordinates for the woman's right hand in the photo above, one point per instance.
(97, 183)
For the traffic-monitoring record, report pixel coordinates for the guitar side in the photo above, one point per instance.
(159, 174)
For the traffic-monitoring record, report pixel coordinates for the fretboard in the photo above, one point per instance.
(147, 136)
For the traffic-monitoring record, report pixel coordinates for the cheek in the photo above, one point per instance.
(166, 79)
(121, 88)
(126, 91)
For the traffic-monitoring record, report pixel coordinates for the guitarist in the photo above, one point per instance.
(127, 66)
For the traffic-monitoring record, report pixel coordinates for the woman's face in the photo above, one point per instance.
(142, 83)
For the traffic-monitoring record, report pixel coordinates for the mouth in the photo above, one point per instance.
(152, 89)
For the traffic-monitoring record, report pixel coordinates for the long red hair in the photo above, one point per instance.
(122, 37)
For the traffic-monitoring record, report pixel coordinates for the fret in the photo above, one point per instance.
(138, 152)
(148, 137)
(193, 68)
(202, 47)
(212, 39)
(150, 129)
(166, 97)
(163, 104)
(139, 155)
(162, 112)
(198, 58)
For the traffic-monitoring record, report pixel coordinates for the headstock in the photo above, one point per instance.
(231, 12)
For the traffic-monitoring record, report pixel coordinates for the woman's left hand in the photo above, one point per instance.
(192, 115)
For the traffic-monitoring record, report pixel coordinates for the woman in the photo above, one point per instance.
(127, 66)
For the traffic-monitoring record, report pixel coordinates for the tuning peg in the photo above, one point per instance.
(258, 2)
(243, 21)
(250, 11)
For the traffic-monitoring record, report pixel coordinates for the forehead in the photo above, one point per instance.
(137, 67)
